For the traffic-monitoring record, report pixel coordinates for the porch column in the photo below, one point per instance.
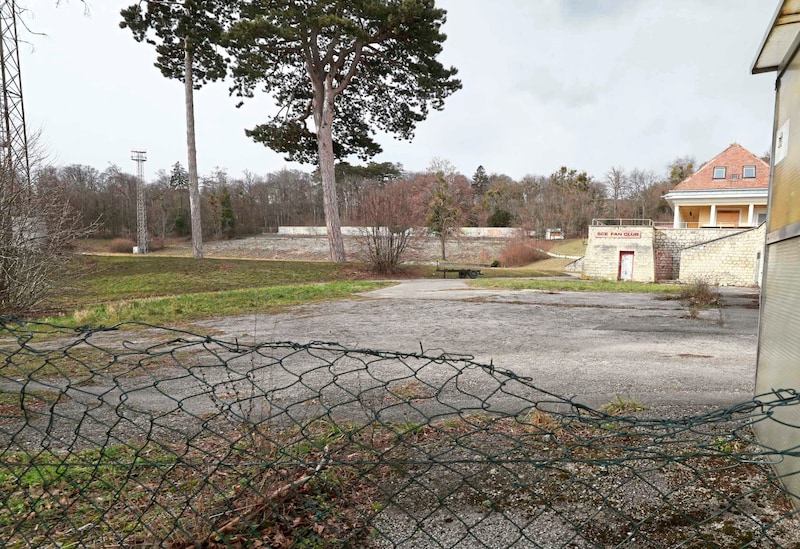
(676, 221)
(751, 215)
(713, 220)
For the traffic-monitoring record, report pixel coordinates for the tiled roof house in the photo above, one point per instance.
(730, 190)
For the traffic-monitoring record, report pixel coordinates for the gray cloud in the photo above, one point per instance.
(583, 11)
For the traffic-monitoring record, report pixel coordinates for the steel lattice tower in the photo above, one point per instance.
(13, 136)
(141, 211)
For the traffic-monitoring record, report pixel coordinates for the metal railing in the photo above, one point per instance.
(622, 222)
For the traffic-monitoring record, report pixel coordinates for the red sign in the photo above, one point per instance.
(617, 233)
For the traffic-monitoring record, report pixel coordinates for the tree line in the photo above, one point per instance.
(440, 198)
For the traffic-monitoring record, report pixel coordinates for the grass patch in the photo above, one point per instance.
(620, 406)
(531, 271)
(197, 306)
(553, 264)
(575, 246)
(577, 286)
(114, 278)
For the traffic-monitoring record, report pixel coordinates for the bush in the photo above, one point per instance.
(499, 218)
(386, 234)
(701, 294)
(122, 246)
(519, 253)
(157, 243)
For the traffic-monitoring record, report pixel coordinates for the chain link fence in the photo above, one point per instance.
(144, 436)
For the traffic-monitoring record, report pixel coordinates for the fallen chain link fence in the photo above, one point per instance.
(144, 436)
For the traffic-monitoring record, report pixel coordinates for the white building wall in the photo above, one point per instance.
(603, 252)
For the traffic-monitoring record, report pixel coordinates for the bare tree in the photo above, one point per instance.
(385, 215)
(38, 228)
(680, 168)
(444, 215)
(617, 183)
(641, 181)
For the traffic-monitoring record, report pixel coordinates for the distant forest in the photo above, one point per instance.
(253, 204)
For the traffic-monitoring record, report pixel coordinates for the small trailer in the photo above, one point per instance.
(464, 271)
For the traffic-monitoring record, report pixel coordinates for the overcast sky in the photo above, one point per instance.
(587, 84)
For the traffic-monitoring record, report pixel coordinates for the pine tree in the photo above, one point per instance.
(186, 35)
(350, 67)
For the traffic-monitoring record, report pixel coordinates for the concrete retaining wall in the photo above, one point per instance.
(468, 232)
(316, 231)
(733, 260)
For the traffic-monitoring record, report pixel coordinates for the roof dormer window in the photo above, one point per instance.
(749, 172)
(719, 172)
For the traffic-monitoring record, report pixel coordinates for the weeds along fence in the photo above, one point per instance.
(142, 436)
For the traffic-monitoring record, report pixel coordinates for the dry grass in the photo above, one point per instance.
(121, 246)
(551, 264)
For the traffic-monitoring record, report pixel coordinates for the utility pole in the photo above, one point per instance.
(13, 136)
(141, 211)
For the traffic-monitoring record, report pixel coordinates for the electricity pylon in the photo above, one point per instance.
(13, 136)
(141, 210)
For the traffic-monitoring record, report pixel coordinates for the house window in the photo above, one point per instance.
(749, 172)
(761, 218)
(719, 172)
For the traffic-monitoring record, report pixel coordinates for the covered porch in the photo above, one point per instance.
(728, 208)
(724, 216)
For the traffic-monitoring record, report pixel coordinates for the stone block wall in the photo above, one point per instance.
(675, 240)
(576, 266)
(733, 260)
(604, 247)
(664, 264)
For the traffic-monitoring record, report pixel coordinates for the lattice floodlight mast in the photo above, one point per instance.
(141, 212)
(13, 136)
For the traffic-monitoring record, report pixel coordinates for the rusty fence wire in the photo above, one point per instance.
(144, 436)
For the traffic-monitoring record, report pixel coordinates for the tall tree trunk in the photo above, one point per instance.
(323, 119)
(191, 148)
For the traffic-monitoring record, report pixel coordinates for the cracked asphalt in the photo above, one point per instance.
(589, 346)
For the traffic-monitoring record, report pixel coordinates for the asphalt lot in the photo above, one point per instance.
(590, 346)
(570, 347)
